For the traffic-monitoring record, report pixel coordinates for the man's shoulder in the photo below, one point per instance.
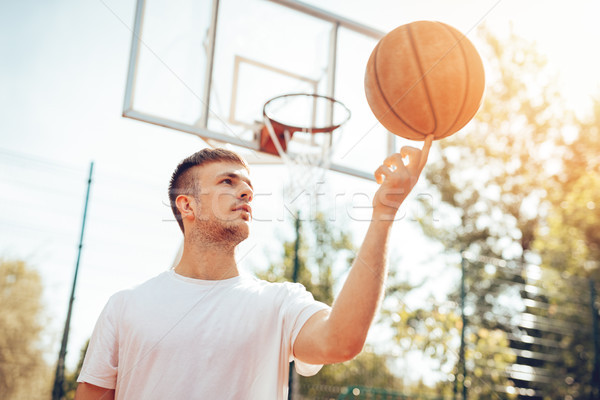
(275, 288)
(140, 289)
(251, 280)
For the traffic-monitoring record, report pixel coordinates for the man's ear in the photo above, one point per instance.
(186, 206)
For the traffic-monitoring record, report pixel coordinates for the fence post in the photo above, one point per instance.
(291, 382)
(461, 354)
(595, 390)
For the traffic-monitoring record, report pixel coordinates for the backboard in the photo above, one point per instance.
(207, 67)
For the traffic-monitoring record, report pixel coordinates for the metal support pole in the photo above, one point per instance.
(134, 56)
(296, 249)
(294, 279)
(462, 367)
(58, 389)
(595, 389)
(210, 60)
(463, 294)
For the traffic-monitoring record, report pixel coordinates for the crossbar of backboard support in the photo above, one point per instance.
(198, 131)
(211, 135)
(331, 17)
(351, 171)
(210, 57)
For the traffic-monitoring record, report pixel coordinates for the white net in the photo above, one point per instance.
(307, 157)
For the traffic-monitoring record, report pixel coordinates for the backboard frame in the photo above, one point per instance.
(201, 129)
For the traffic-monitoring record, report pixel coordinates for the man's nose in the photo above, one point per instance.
(246, 193)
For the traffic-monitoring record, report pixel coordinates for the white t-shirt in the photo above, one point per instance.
(174, 337)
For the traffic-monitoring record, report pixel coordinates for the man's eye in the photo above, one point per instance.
(227, 181)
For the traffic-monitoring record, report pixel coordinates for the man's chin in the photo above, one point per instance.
(238, 231)
(232, 232)
(243, 231)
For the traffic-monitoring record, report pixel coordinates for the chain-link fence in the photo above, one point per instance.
(528, 332)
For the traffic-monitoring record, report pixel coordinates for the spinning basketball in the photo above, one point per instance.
(424, 78)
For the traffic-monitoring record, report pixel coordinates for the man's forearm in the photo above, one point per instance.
(356, 305)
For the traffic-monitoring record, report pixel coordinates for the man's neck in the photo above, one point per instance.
(207, 262)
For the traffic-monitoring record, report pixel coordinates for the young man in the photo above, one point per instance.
(202, 331)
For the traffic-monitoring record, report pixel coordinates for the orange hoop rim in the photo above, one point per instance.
(293, 128)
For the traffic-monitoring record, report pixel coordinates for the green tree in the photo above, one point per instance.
(570, 240)
(432, 331)
(569, 245)
(23, 372)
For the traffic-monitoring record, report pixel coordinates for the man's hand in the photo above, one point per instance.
(397, 179)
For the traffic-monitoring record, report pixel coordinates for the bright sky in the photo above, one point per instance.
(62, 80)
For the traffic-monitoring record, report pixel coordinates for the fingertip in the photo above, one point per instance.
(380, 173)
(377, 175)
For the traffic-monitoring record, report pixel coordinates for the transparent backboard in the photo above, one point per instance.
(207, 67)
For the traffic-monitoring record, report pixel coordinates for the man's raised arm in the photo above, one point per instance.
(339, 334)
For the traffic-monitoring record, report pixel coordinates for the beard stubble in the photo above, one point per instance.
(218, 233)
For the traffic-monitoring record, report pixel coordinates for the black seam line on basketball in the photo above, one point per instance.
(465, 35)
(382, 93)
(149, 351)
(174, 74)
(464, 100)
(420, 65)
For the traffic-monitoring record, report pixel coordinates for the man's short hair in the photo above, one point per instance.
(183, 181)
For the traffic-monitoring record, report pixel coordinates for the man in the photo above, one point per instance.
(202, 331)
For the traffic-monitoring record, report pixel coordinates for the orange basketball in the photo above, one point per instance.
(424, 78)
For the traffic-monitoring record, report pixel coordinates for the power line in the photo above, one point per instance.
(30, 160)
(5, 153)
(36, 228)
(54, 189)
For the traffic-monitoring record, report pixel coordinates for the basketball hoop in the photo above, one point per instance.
(299, 127)
(309, 114)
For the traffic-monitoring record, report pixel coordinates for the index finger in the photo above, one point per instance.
(425, 152)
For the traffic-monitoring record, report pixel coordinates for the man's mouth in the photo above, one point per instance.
(245, 208)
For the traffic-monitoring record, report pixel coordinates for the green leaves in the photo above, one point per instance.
(23, 371)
